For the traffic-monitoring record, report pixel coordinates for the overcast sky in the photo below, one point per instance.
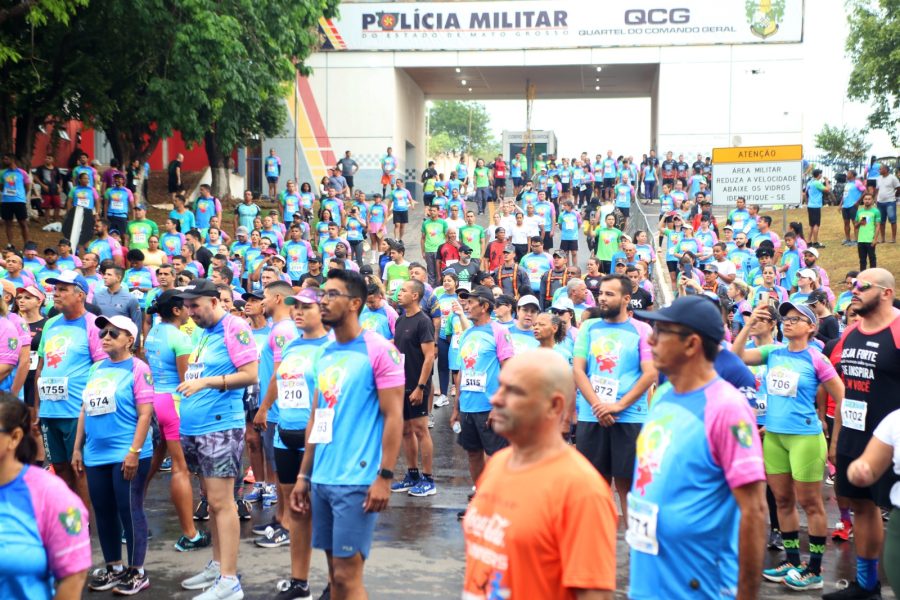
(824, 33)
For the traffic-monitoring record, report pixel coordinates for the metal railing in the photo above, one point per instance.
(640, 220)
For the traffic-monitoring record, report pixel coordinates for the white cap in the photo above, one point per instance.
(119, 322)
(812, 251)
(563, 303)
(528, 299)
(808, 273)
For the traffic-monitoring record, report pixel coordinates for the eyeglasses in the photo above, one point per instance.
(679, 332)
(864, 286)
(795, 320)
(113, 333)
(332, 294)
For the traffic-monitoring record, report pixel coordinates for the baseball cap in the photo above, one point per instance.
(465, 249)
(64, 242)
(199, 288)
(528, 300)
(114, 230)
(255, 295)
(812, 251)
(280, 257)
(728, 227)
(563, 303)
(70, 277)
(30, 246)
(764, 251)
(688, 225)
(307, 295)
(509, 248)
(480, 292)
(710, 268)
(270, 251)
(167, 298)
(32, 290)
(505, 300)
(242, 231)
(119, 322)
(808, 273)
(694, 312)
(800, 308)
(313, 258)
(50, 249)
(817, 296)
(140, 207)
(559, 254)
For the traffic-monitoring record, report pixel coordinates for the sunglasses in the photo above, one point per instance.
(113, 333)
(864, 286)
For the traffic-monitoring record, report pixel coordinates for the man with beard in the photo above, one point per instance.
(868, 359)
(613, 371)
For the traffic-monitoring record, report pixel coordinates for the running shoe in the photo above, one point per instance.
(800, 580)
(203, 579)
(106, 579)
(326, 593)
(223, 589)
(202, 512)
(829, 480)
(430, 421)
(185, 544)
(854, 591)
(843, 531)
(243, 508)
(407, 484)
(261, 528)
(248, 476)
(132, 583)
(254, 495)
(424, 487)
(289, 590)
(441, 401)
(885, 515)
(273, 538)
(775, 541)
(166, 466)
(778, 574)
(269, 495)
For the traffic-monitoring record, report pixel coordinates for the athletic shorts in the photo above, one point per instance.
(272, 179)
(341, 526)
(803, 456)
(414, 411)
(871, 183)
(401, 217)
(477, 435)
(119, 223)
(669, 181)
(51, 201)
(548, 240)
(672, 266)
(217, 454)
(565, 188)
(59, 439)
(609, 183)
(879, 492)
(517, 181)
(13, 210)
(568, 245)
(167, 416)
(849, 214)
(427, 198)
(610, 449)
(500, 182)
(386, 179)
(349, 179)
(888, 212)
(625, 211)
(287, 465)
(814, 215)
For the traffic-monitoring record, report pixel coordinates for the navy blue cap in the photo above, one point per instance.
(694, 312)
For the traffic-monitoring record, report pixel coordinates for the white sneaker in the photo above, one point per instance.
(441, 401)
(224, 589)
(430, 421)
(203, 579)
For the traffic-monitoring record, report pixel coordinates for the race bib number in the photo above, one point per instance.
(394, 285)
(473, 381)
(782, 382)
(194, 371)
(32, 360)
(606, 388)
(117, 205)
(641, 533)
(53, 388)
(100, 401)
(454, 342)
(139, 238)
(293, 393)
(82, 201)
(853, 414)
(762, 402)
(323, 426)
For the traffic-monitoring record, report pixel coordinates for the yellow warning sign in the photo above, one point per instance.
(750, 154)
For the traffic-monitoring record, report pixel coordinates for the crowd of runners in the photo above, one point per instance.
(286, 357)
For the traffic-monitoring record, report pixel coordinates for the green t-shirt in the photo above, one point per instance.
(395, 275)
(872, 217)
(434, 233)
(607, 242)
(139, 233)
(482, 177)
(471, 236)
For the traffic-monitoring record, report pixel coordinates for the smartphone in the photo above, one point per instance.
(761, 296)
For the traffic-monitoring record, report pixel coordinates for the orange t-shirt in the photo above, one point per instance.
(541, 532)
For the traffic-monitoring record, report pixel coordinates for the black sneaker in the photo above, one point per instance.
(293, 589)
(106, 579)
(243, 510)
(132, 583)
(202, 512)
(854, 592)
(326, 593)
(261, 528)
(184, 544)
(775, 540)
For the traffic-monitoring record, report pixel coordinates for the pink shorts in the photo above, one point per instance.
(169, 421)
(375, 228)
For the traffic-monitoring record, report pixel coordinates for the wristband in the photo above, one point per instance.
(130, 449)
(304, 476)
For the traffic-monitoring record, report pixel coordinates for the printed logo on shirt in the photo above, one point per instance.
(13, 343)
(606, 351)
(469, 352)
(148, 378)
(55, 349)
(331, 380)
(395, 356)
(70, 519)
(652, 444)
(243, 337)
(742, 434)
(280, 341)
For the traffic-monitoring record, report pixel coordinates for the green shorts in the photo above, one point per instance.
(803, 456)
(59, 439)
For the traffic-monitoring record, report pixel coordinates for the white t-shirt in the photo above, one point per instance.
(534, 223)
(519, 234)
(888, 431)
(455, 224)
(887, 188)
(508, 222)
(726, 267)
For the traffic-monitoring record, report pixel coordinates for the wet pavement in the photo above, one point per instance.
(418, 551)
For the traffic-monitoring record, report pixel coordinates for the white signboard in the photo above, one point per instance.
(526, 24)
(764, 175)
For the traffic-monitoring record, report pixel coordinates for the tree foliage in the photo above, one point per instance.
(843, 145)
(18, 19)
(459, 127)
(874, 46)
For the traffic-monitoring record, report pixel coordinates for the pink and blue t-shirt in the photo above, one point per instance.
(164, 344)
(14, 335)
(68, 349)
(482, 349)
(15, 186)
(283, 332)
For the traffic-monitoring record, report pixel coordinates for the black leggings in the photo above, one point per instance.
(118, 505)
(866, 251)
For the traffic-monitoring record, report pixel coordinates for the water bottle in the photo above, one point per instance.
(457, 427)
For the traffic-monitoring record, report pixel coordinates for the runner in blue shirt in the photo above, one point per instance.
(354, 439)
(400, 204)
(15, 185)
(815, 191)
(273, 171)
(206, 206)
(521, 333)
(289, 200)
(855, 188)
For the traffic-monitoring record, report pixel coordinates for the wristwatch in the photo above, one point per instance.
(422, 386)
(386, 473)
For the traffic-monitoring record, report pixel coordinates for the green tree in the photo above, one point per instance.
(467, 126)
(843, 145)
(872, 45)
(19, 19)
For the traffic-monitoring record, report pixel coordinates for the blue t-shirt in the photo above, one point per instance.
(296, 380)
(290, 204)
(297, 256)
(164, 344)
(111, 397)
(568, 225)
(401, 199)
(792, 379)
(482, 349)
(204, 209)
(118, 201)
(376, 320)
(185, 219)
(522, 339)
(14, 186)
(624, 194)
(814, 193)
(348, 378)
(246, 213)
(852, 194)
(281, 334)
(69, 349)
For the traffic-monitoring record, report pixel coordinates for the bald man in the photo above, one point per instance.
(868, 359)
(539, 484)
